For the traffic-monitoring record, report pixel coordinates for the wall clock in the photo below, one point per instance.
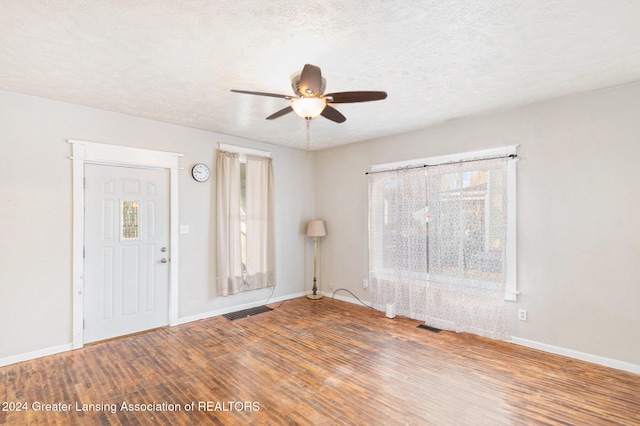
(200, 172)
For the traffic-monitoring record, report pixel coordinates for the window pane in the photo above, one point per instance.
(470, 219)
(483, 228)
(405, 225)
(129, 220)
(243, 215)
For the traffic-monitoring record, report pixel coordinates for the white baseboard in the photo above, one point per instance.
(218, 312)
(14, 359)
(595, 359)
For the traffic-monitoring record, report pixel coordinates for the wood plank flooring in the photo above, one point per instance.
(307, 362)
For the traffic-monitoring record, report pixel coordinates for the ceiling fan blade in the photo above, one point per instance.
(333, 114)
(280, 113)
(310, 81)
(273, 95)
(351, 97)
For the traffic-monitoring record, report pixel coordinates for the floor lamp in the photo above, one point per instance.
(315, 229)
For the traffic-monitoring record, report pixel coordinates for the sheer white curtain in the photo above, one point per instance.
(256, 269)
(467, 244)
(437, 238)
(398, 238)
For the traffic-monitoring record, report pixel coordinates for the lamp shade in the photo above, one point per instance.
(315, 228)
(308, 107)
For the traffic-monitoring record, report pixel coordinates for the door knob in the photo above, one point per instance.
(163, 260)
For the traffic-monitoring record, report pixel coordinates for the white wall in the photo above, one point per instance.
(578, 232)
(578, 202)
(36, 220)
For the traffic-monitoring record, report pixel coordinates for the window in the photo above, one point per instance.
(441, 233)
(244, 220)
(129, 220)
(471, 224)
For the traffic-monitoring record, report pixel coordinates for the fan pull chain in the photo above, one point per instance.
(308, 120)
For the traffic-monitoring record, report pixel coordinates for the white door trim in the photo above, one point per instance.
(98, 153)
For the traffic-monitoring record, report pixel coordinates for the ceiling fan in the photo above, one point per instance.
(310, 101)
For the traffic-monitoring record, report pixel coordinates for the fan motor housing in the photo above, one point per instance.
(295, 85)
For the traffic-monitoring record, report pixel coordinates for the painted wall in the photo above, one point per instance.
(578, 233)
(36, 220)
(578, 202)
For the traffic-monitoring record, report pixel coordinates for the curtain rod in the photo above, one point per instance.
(511, 156)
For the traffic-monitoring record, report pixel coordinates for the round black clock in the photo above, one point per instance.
(200, 172)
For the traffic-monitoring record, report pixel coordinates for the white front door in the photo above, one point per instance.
(126, 264)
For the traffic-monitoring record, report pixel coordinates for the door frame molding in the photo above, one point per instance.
(116, 155)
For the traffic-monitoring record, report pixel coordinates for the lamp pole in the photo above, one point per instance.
(315, 229)
(315, 294)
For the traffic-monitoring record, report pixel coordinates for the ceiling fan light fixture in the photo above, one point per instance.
(310, 101)
(308, 108)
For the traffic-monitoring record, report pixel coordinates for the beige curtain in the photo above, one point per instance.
(229, 259)
(259, 269)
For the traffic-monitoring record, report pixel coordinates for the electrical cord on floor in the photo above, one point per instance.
(349, 291)
(271, 295)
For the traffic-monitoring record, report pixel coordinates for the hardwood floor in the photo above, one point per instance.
(321, 362)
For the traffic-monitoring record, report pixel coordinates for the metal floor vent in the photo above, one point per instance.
(247, 312)
(427, 327)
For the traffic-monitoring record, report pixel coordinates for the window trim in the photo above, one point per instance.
(511, 289)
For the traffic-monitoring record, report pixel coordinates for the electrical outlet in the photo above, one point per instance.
(522, 314)
(365, 283)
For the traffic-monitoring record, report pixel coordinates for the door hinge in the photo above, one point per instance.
(83, 326)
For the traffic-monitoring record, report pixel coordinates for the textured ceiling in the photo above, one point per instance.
(175, 61)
